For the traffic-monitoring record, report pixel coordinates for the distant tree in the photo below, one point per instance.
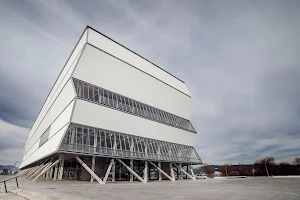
(209, 170)
(226, 169)
(265, 166)
(285, 168)
(297, 161)
(222, 169)
(245, 170)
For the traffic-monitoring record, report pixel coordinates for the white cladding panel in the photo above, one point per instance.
(48, 148)
(121, 52)
(95, 115)
(60, 82)
(99, 68)
(62, 120)
(61, 102)
(32, 149)
(59, 123)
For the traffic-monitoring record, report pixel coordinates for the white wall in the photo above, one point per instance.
(101, 69)
(56, 126)
(95, 115)
(117, 50)
(60, 82)
(46, 149)
(63, 100)
(62, 120)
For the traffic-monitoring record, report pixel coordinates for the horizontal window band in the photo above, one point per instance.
(98, 95)
(96, 141)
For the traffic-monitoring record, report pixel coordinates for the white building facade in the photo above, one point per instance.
(111, 115)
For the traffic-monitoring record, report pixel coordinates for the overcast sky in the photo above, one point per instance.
(239, 59)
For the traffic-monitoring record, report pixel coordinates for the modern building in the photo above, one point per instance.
(111, 115)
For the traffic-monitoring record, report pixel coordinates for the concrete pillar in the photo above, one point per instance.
(51, 173)
(113, 172)
(131, 166)
(55, 172)
(172, 171)
(192, 171)
(146, 172)
(93, 167)
(159, 173)
(181, 173)
(61, 168)
(48, 176)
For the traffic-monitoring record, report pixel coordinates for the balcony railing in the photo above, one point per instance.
(108, 152)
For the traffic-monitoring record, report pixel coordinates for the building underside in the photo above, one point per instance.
(89, 154)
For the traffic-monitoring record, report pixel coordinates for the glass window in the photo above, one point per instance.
(123, 104)
(79, 135)
(114, 98)
(97, 94)
(91, 136)
(91, 93)
(86, 91)
(128, 105)
(120, 102)
(44, 137)
(131, 105)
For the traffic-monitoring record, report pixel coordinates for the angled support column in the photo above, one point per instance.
(146, 171)
(27, 171)
(30, 171)
(113, 173)
(48, 172)
(172, 171)
(131, 171)
(24, 171)
(93, 167)
(192, 171)
(55, 172)
(162, 172)
(181, 169)
(159, 173)
(20, 173)
(180, 172)
(131, 167)
(61, 167)
(46, 169)
(39, 170)
(89, 170)
(112, 163)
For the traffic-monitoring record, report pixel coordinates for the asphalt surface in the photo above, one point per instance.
(210, 189)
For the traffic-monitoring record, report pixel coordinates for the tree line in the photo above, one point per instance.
(263, 167)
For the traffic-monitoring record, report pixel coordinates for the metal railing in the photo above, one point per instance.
(125, 153)
(4, 182)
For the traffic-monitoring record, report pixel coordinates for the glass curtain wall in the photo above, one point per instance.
(101, 96)
(90, 140)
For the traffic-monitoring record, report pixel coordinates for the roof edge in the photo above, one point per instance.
(133, 52)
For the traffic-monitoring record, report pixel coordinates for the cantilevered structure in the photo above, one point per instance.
(111, 115)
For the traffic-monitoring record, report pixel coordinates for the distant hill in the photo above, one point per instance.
(9, 167)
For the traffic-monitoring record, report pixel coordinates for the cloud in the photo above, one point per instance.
(12, 142)
(239, 59)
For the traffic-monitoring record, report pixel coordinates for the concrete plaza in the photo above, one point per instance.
(235, 189)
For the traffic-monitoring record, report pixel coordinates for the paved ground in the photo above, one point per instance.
(236, 189)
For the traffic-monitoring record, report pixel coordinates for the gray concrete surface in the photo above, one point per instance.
(234, 189)
(10, 196)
